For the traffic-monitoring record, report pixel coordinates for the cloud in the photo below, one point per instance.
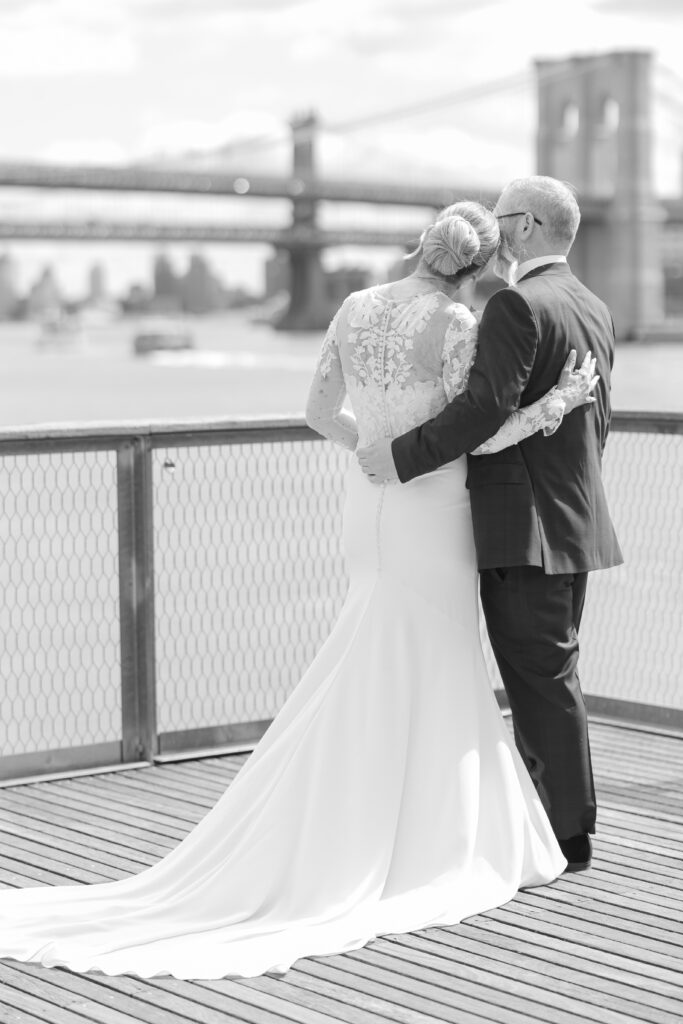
(643, 8)
(405, 26)
(437, 155)
(85, 151)
(65, 37)
(436, 9)
(242, 139)
(196, 10)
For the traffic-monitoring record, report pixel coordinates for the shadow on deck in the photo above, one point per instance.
(606, 945)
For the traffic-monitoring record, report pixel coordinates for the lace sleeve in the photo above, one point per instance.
(324, 411)
(546, 414)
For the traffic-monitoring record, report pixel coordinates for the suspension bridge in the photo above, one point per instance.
(594, 128)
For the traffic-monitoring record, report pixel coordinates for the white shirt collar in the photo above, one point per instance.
(539, 261)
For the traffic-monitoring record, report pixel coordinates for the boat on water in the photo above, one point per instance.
(162, 336)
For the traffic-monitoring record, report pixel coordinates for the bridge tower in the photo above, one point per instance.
(595, 131)
(308, 305)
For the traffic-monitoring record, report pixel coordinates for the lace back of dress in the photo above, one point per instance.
(391, 355)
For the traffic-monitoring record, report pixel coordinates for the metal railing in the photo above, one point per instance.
(165, 585)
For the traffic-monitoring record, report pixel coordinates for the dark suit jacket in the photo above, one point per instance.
(540, 502)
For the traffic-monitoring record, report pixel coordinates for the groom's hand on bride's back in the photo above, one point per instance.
(377, 462)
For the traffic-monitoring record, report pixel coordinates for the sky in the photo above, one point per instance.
(131, 80)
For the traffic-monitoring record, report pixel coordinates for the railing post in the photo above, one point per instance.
(136, 599)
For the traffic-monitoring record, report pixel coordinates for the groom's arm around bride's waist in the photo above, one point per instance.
(506, 349)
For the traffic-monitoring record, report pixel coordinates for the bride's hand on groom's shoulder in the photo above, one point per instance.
(377, 462)
(576, 386)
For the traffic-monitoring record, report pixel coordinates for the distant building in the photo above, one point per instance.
(138, 300)
(166, 297)
(200, 290)
(277, 274)
(97, 284)
(44, 299)
(9, 294)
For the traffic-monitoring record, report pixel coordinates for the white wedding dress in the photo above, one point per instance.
(387, 795)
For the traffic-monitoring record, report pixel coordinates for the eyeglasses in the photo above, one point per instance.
(519, 213)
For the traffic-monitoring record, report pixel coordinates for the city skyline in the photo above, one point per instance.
(191, 284)
(157, 79)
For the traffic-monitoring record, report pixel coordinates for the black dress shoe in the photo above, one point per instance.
(577, 851)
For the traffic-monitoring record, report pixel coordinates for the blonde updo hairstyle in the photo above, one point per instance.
(460, 242)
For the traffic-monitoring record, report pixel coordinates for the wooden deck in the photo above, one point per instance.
(605, 945)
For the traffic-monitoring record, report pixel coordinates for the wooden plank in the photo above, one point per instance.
(658, 748)
(82, 989)
(235, 997)
(626, 919)
(599, 981)
(81, 805)
(61, 851)
(177, 787)
(51, 1003)
(367, 998)
(620, 829)
(42, 856)
(614, 895)
(138, 802)
(447, 995)
(291, 988)
(135, 810)
(567, 991)
(162, 798)
(46, 875)
(196, 772)
(613, 817)
(602, 946)
(69, 842)
(664, 768)
(607, 947)
(596, 933)
(84, 826)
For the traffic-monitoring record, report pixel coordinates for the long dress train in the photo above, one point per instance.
(385, 797)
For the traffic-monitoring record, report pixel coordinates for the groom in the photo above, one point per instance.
(539, 512)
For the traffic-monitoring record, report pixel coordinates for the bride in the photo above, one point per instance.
(386, 796)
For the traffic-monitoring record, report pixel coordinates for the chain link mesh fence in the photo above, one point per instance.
(59, 640)
(632, 627)
(249, 578)
(249, 575)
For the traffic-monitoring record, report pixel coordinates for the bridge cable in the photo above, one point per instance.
(479, 91)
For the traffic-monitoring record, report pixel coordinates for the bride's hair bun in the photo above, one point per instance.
(449, 245)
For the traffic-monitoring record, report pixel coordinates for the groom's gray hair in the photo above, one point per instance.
(553, 202)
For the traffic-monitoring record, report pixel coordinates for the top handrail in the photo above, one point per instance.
(113, 433)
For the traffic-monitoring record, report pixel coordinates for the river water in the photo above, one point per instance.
(237, 368)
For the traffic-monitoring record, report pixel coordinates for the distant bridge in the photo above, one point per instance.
(297, 237)
(595, 129)
(139, 178)
(303, 239)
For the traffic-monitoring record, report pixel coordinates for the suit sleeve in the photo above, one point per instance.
(507, 342)
(608, 402)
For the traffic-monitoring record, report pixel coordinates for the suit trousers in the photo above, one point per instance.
(533, 621)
